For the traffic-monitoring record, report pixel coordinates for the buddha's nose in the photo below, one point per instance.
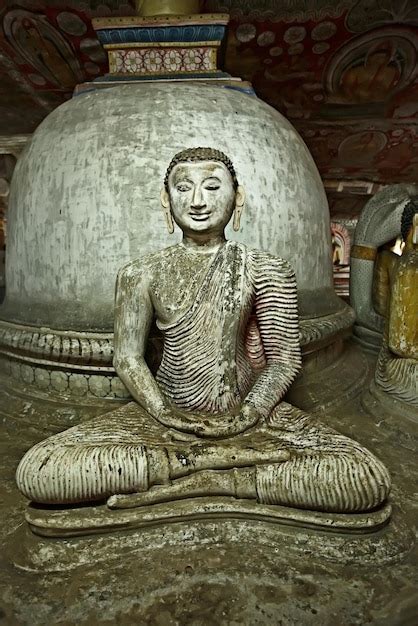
(197, 200)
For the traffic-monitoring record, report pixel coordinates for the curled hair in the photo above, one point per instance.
(193, 155)
(408, 215)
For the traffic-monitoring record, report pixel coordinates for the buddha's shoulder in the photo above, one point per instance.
(148, 265)
(265, 263)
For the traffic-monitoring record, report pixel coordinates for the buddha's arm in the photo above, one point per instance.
(277, 318)
(133, 317)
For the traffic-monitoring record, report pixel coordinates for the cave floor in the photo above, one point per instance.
(194, 575)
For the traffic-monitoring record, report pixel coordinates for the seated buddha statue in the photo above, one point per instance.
(212, 422)
(397, 366)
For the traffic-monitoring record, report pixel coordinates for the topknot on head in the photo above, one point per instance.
(411, 208)
(192, 155)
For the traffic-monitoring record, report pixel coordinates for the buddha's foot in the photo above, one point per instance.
(238, 482)
(217, 470)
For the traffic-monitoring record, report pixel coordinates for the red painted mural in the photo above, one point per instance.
(344, 72)
(345, 76)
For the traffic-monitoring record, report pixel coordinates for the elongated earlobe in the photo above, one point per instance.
(165, 204)
(239, 207)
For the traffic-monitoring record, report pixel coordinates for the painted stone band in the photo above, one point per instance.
(368, 253)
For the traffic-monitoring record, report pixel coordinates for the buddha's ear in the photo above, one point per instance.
(165, 198)
(165, 203)
(239, 207)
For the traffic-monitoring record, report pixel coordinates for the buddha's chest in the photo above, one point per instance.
(174, 289)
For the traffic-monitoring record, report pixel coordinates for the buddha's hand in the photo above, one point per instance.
(175, 418)
(248, 416)
(207, 424)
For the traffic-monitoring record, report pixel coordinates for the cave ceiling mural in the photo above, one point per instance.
(345, 73)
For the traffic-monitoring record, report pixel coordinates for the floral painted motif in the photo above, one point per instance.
(172, 61)
(153, 60)
(294, 34)
(323, 30)
(162, 60)
(128, 62)
(246, 32)
(192, 60)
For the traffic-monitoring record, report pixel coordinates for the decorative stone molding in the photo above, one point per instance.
(163, 46)
(44, 346)
(62, 382)
(60, 362)
(168, 60)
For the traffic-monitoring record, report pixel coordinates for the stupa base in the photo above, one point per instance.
(395, 416)
(331, 376)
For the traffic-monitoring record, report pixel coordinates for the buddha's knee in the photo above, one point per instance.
(60, 472)
(341, 482)
(54, 473)
(373, 482)
(34, 474)
(354, 481)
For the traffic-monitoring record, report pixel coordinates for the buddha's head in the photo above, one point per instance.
(201, 192)
(409, 222)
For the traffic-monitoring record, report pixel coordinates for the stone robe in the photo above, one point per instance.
(238, 341)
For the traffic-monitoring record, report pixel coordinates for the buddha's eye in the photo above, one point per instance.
(212, 187)
(183, 187)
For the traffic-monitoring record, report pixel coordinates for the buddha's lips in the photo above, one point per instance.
(199, 217)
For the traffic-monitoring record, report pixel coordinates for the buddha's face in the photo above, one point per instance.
(415, 229)
(201, 196)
